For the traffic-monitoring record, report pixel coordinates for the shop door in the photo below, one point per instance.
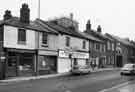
(11, 66)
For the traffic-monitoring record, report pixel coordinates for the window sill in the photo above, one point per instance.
(22, 42)
(44, 45)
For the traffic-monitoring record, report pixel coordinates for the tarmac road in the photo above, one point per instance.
(93, 82)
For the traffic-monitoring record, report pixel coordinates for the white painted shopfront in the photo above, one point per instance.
(66, 59)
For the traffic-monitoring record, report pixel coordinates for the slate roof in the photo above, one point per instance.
(90, 37)
(123, 41)
(97, 34)
(63, 30)
(45, 26)
(15, 21)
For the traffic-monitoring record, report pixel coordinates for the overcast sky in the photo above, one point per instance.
(115, 16)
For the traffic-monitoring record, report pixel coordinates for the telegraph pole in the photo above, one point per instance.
(39, 9)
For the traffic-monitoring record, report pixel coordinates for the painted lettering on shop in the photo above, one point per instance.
(63, 53)
(80, 55)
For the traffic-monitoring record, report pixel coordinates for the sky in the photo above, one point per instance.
(116, 17)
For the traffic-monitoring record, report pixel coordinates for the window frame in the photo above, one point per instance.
(44, 38)
(68, 41)
(83, 44)
(22, 37)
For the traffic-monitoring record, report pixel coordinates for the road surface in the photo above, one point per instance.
(94, 82)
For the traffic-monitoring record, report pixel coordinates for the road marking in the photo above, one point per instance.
(115, 87)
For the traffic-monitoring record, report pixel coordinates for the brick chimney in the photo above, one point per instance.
(88, 25)
(25, 13)
(7, 15)
(99, 29)
(71, 16)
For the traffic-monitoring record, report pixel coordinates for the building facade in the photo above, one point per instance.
(104, 50)
(18, 46)
(124, 50)
(72, 47)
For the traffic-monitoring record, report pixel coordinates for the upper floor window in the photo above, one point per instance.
(68, 41)
(108, 45)
(44, 38)
(21, 36)
(112, 46)
(101, 47)
(91, 44)
(84, 45)
(97, 46)
(104, 48)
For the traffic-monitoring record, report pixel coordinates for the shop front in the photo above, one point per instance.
(47, 62)
(67, 59)
(20, 62)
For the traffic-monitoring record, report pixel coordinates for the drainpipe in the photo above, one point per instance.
(89, 51)
(115, 53)
(37, 54)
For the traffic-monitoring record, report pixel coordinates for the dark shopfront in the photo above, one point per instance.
(47, 64)
(20, 63)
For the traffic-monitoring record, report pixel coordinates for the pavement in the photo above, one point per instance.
(18, 79)
(128, 86)
(124, 87)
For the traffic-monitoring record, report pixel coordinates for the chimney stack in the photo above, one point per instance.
(99, 29)
(7, 15)
(25, 14)
(71, 16)
(88, 25)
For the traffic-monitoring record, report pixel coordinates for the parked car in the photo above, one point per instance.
(128, 69)
(81, 69)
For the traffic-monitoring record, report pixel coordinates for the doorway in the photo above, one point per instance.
(119, 61)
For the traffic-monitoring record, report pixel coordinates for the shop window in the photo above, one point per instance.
(26, 62)
(67, 41)
(84, 45)
(44, 38)
(21, 36)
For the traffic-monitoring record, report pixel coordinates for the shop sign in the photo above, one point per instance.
(80, 55)
(63, 53)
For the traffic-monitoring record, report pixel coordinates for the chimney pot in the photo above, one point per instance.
(88, 25)
(99, 29)
(71, 16)
(7, 15)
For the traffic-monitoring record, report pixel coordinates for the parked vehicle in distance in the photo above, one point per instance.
(81, 69)
(128, 69)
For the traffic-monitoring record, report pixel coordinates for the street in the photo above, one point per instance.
(94, 82)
